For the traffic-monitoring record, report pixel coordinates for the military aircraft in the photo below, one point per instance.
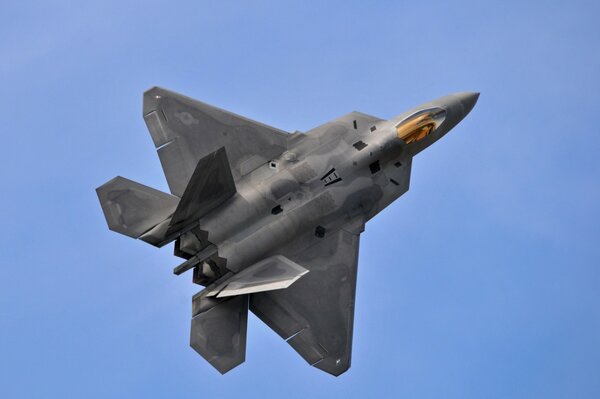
(268, 220)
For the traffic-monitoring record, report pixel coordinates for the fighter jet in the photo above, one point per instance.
(270, 221)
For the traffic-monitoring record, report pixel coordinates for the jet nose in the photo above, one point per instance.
(458, 106)
(437, 117)
(468, 101)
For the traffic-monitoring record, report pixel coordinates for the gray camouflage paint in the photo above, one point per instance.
(251, 192)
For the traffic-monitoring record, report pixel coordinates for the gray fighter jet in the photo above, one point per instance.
(270, 221)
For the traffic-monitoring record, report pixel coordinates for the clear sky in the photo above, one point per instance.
(481, 282)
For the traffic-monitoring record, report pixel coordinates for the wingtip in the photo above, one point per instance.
(151, 98)
(335, 367)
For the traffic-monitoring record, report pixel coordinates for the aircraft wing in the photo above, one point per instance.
(315, 314)
(185, 130)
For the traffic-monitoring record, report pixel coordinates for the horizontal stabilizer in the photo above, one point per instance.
(132, 209)
(273, 273)
(211, 184)
(219, 333)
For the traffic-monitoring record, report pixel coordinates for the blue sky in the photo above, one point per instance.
(482, 281)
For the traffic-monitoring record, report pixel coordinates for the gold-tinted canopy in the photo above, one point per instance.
(417, 126)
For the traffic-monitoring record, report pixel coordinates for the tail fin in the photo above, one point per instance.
(273, 273)
(135, 210)
(211, 185)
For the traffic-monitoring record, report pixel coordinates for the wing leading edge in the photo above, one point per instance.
(185, 130)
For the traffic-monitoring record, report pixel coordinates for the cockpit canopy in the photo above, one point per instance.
(420, 124)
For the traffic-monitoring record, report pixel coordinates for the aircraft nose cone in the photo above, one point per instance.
(454, 107)
(468, 101)
(459, 105)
